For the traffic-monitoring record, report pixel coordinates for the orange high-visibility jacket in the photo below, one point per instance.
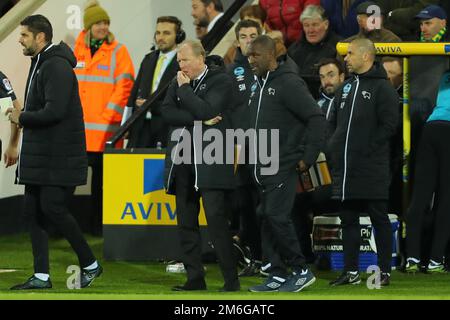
(105, 83)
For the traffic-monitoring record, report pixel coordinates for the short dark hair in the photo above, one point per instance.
(253, 11)
(217, 4)
(171, 19)
(37, 24)
(247, 24)
(266, 43)
(327, 61)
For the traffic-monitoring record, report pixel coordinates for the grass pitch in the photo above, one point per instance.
(149, 281)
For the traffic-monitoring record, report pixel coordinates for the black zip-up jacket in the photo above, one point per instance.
(142, 88)
(53, 151)
(184, 105)
(281, 101)
(366, 118)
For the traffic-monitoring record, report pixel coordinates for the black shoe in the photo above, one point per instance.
(251, 270)
(88, 276)
(385, 279)
(33, 284)
(346, 278)
(191, 286)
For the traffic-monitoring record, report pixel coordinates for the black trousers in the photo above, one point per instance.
(45, 204)
(280, 244)
(188, 208)
(432, 177)
(95, 161)
(351, 232)
(245, 199)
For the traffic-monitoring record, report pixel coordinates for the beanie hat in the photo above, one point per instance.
(93, 14)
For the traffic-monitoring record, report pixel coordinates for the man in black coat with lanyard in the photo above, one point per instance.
(201, 95)
(53, 157)
(366, 118)
(157, 69)
(281, 103)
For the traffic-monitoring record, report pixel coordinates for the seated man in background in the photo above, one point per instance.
(317, 42)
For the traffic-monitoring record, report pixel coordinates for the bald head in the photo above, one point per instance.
(265, 44)
(360, 56)
(365, 46)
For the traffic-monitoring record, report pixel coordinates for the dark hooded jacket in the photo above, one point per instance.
(365, 120)
(282, 102)
(202, 101)
(53, 151)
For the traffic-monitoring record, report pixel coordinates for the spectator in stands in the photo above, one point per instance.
(280, 100)
(432, 178)
(255, 13)
(400, 16)
(201, 93)
(342, 16)
(53, 153)
(284, 15)
(394, 70)
(371, 26)
(11, 154)
(317, 42)
(201, 29)
(157, 70)
(210, 13)
(104, 66)
(365, 120)
(245, 195)
(424, 84)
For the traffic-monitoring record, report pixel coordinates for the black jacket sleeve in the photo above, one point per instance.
(213, 104)
(387, 116)
(57, 81)
(172, 113)
(300, 102)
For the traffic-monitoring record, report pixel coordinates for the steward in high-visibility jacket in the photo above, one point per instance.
(105, 82)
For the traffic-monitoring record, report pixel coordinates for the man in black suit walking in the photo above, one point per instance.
(201, 95)
(158, 68)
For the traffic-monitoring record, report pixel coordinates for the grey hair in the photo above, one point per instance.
(195, 45)
(313, 12)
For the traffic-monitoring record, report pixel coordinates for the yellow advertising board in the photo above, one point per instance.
(133, 191)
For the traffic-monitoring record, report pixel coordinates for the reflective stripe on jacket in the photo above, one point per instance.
(105, 82)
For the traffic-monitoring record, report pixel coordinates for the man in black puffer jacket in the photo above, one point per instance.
(281, 103)
(366, 118)
(53, 157)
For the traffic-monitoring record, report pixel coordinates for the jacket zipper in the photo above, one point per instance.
(347, 138)
(256, 124)
(173, 162)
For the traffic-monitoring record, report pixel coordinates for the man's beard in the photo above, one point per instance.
(29, 52)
